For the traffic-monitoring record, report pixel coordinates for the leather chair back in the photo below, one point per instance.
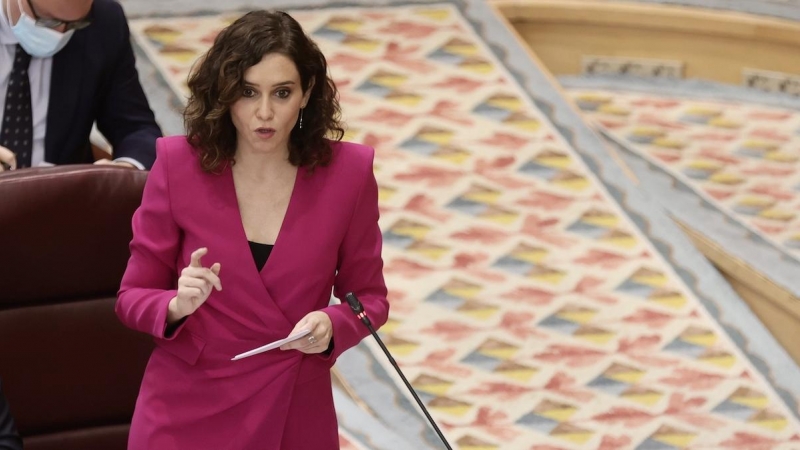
(71, 371)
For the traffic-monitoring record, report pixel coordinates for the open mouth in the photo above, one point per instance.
(265, 132)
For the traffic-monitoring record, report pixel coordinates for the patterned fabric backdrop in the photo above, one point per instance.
(744, 158)
(528, 310)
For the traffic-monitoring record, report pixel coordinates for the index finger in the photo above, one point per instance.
(196, 255)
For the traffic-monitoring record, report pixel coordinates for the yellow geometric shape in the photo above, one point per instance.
(428, 250)
(769, 420)
(593, 97)
(452, 154)
(673, 436)
(507, 102)
(462, 289)
(388, 79)
(648, 132)
(529, 253)
(726, 178)
(672, 300)
(344, 24)
(573, 184)
(182, 56)
(758, 202)
(649, 277)
(390, 326)
(476, 65)
(400, 346)
(646, 397)
(774, 214)
(404, 99)
(360, 43)
(703, 111)
(554, 159)
(473, 443)
(760, 145)
(460, 47)
(435, 14)
(620, 239)
(702, 164)
(525, 125)
(596, 335)
(781, 157)
(482, 195)
(405, 227)
(624, 374)
(560, 414)
(432, 385)
(576, 314)
(701, 337)
(546, 275)
(600, 218)
(665, 142)
(572, 433)
(501, 218)
(450, 406)
(479, 311)
(722, 122)
(351, 134)
(614, 110)
(435, 135)
(385, 193)
(751, 398)
(516, 371)
(724, 360)
(497, 349)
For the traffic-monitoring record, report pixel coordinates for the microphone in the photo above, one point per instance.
(358, 309)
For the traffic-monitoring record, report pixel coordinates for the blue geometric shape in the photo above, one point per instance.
(641, 139)
(468, 206)
(698, 119)
(331, 34)
(734, 410)
(368, 87)
(792, 243)
(697, 174)
(445, 300)
(492, 112)
(425, 148)
(748, 210)
(750, 153)
(424, 396)
(157, 44)
(635, 289)
(535, 169)
(514, 265)
(587, 229)
(538, 423)
(397, 240)
(609, 386)
(482, 361)
(685, 348)
(562, 326)
(652, 444)
(446, 57)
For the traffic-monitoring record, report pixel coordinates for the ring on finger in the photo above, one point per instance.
(312, 340)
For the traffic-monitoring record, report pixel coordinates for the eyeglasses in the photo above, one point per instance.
(49, 22)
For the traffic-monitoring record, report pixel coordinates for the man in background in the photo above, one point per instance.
(9, 439)
(64, 65)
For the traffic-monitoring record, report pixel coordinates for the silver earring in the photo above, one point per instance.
(301, 118)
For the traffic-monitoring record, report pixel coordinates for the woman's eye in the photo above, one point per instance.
(248, 92)
(283, 93)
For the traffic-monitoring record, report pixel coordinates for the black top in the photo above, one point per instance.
(9, 439)
(260, 253)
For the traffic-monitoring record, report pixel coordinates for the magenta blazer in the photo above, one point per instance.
(192, 395)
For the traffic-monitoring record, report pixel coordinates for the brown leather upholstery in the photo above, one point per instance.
(71, 371)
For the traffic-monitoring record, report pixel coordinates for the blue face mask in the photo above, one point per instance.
(38, 41)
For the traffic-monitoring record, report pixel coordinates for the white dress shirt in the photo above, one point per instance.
(39, 73)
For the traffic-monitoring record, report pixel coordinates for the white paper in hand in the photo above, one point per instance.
(272, 345)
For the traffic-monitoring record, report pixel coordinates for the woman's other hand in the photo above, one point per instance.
(320, 337)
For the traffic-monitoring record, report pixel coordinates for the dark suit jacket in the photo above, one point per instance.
(94, 78)
(9, 439)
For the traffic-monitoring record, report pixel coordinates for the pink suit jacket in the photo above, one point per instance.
(192, 394)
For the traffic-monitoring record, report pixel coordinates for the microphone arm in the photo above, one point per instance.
(358, 309)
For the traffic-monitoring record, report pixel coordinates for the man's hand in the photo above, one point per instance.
(101, 162)
(8, 160)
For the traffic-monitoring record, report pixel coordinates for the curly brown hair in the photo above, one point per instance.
(218, 81)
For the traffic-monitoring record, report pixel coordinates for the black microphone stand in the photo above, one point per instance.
(358, 309)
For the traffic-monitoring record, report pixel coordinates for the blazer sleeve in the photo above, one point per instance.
(150, 279)
(124, 115)
(360, 269)
(9, 439)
